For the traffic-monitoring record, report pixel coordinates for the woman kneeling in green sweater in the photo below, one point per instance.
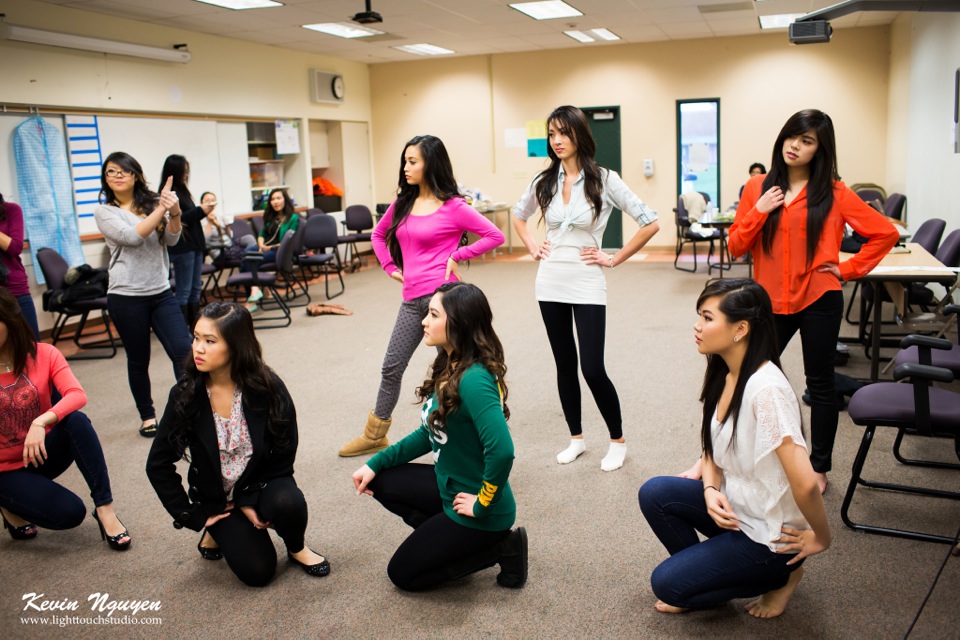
(461, 508)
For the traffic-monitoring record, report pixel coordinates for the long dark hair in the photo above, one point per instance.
(573, 123)
(23, 344)
(270, 215)
(740, 300)
(823, 173)
(438, 177)
(472, 339)
(177, 167)
(247, 370)
(144, 200)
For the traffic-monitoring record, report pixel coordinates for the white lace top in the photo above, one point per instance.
(754, 481)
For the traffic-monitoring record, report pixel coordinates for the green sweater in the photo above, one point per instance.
(474, 453)
(292, 223)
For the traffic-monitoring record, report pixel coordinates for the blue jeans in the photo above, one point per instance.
(187, 271)
(727, 565)
(31, 492)
(29, 312)
(134, 316)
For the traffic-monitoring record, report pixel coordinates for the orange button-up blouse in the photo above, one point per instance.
(792, 284)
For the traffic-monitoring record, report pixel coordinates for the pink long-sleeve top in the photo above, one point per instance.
(26, 397)
(427, 242)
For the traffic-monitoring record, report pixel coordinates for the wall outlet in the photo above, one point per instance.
(648, 167)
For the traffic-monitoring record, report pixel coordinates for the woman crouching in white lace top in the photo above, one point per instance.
(759, 504)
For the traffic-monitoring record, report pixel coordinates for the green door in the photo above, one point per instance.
(605, 126)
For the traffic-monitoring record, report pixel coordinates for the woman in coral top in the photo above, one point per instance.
(418, 244)
(791, 220)
(40, 440)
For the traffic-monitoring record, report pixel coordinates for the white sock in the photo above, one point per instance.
(571, 453)
(614, 458)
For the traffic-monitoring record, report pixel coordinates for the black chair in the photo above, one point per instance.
(257, 223)
(285, 266)
(949, 255)
(54, 269)
(686, 236)
(314, 211)
(267, 281)
(927, 236)
(869, 195)
(357, 219)
(896, 207)
(916, 409)
(320, 234)
(945, 358)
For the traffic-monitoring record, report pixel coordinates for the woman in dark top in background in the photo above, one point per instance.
(186, 256)
(11, 244)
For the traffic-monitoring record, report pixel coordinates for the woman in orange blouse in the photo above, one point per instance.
(791, 220)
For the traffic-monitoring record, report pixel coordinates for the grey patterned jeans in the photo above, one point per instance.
(407, 334)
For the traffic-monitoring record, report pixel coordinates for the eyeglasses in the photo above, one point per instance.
(118, 173)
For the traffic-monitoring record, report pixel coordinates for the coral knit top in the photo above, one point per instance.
(791, 282)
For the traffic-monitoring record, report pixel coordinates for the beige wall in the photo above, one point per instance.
(760, 81)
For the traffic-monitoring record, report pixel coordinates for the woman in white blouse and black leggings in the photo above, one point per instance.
(576, 196)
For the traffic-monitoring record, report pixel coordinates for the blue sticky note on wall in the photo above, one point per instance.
(537, 148)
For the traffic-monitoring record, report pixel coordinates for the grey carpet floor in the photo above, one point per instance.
(591, 553)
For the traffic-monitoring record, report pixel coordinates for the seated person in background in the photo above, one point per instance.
(278, 218)
(756, 169)
(759, 504)
(38, 442)
(461, 507)
(231, 416)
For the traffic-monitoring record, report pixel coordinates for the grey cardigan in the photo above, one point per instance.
(138, 266)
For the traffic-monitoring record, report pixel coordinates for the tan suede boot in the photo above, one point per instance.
(374, 438)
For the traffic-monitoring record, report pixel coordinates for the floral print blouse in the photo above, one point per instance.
(233, 440)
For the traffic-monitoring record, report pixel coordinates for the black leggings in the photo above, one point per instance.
(249, 551)
(439, 549)
(819, 326)
(591, 319)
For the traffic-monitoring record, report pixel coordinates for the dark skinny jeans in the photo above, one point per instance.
(134, 317)
(819, 327)
(31, 492)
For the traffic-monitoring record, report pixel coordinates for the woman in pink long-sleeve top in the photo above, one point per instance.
(418, 244)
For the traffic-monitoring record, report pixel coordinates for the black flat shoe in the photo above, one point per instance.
(513, 559)
(208, 553)
(113, 541)
(148, 430)
(26, 532)
(315, 570)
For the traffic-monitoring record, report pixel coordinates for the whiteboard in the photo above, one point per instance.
(216, 151)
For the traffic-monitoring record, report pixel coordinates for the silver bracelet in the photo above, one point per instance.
(611, 263)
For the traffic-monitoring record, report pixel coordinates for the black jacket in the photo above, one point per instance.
(205, 497)
(191, 233)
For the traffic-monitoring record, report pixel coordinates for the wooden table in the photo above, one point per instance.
(894, 273)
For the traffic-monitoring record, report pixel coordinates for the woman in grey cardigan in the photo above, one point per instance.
(138, 226)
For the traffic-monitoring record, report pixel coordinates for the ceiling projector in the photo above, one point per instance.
(367, 17)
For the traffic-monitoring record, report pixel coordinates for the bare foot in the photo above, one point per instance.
(307, 557)
(772, 604)
(821, 482)
(111, 524)
(693, 472)
(663, 607)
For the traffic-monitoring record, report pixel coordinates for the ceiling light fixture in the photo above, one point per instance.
(779, 21)
(240, 5)
(605, 34)
(424, 49)
(579, 36)
(343, 29)
(547, 10)
(70, 41)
